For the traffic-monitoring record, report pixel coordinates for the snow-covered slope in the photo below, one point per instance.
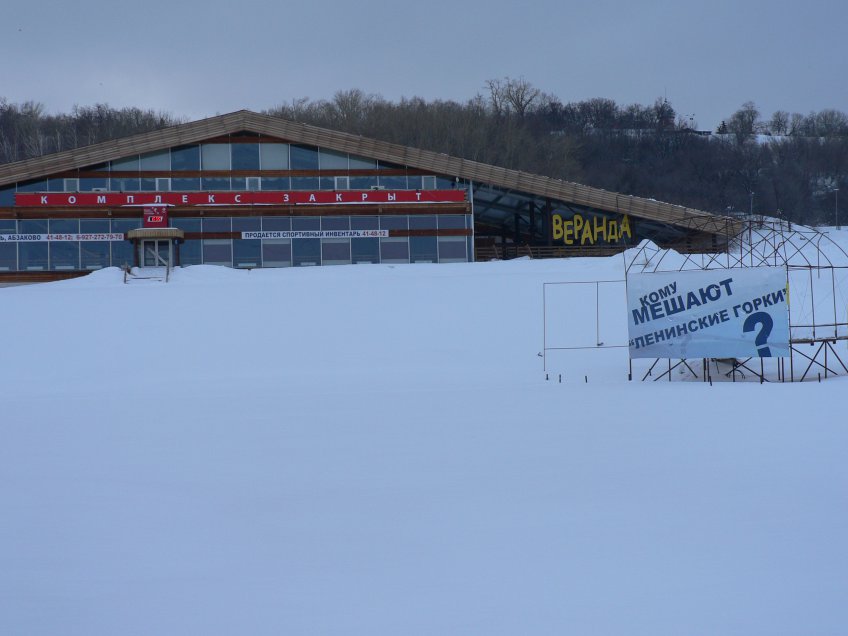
(375, 450)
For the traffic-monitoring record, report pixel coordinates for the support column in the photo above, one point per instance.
(532, 207)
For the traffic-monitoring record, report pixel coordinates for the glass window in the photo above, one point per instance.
(127, 164)
(33, 226)
(443, 183)
(8, 251)
(94, 254)
(7, 196)
(218, 252)
(304, 158)
(33, 256)
(335, 251)
(185, 158)
(335, 223)
(156, 161)
(306, 252)
(365, 250)
(274, 156)
(122, 251)
(215, 183)
(327, 183)
(413, 181)
(247, 252)
(186, 224)
(394, 250)
(215, 156)
(452, 249)
(276, 223)
(362, 183)
(428, 183)
(452, 222)
(64, 226)
(213, 224)
(423, 249)
(247, 224)
(393, 223)
(90, 184)
(33, 186)
(275, 183)
(393, 182)
(362, 163)
(122, 226)
(72, 185)
(183, 184)
(148, 185)
(304, 183)
(330, 160)
(422, 222)
(123, 184)
(239, 183)
(253, 184)
(306, 223)
(364, 223)
(191, 252)
(276, 253)
(245, 156)
(56, 185)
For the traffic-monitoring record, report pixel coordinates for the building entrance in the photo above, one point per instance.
(155, 252)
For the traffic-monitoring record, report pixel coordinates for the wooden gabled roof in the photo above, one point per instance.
(244, 120)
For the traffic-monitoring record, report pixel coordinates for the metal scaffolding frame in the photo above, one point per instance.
(816, 268)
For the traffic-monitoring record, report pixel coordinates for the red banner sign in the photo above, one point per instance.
(299, 197)
(156, 217)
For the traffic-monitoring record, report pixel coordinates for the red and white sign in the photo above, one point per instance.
(156, 217)
(206, 199)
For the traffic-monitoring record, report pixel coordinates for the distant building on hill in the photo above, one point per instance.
(247, 190)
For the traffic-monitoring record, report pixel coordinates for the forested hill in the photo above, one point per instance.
(788, 165)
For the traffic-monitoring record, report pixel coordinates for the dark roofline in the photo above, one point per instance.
(244, 120)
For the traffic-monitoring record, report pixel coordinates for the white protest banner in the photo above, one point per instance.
(724, 313)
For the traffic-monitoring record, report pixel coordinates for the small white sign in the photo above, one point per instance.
(42, 238)
(296, 234)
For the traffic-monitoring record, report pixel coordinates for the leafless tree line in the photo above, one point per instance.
(789, 164)
(27, 130)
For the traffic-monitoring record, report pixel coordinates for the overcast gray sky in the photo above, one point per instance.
(195, 59)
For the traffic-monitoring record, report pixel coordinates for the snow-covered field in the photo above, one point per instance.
(375, 450)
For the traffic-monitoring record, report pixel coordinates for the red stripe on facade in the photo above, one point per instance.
(298, 197)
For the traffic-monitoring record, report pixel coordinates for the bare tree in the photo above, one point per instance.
(520, 95)
(779, 124)
(745, 122)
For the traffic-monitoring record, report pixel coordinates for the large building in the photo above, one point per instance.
(248, 190)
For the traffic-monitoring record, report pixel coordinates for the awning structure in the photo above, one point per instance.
(156, 233)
